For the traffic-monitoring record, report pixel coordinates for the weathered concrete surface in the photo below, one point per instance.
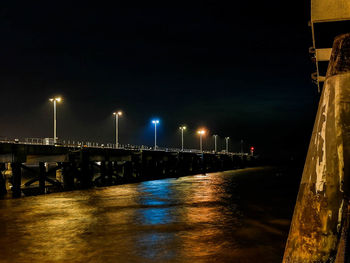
(322, 201)
(326, 10)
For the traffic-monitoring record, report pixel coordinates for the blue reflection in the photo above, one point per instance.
(156, 198)
(155, 216)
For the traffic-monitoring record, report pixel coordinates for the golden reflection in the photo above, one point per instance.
(54, 228)
(189, 219)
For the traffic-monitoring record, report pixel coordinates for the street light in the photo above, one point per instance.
(201, 133)
(155, 122)
(55, 100)
(215, 142)
(117, 114)
(182, 128)
(226, 139)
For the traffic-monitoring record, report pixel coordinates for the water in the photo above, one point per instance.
(236, 216)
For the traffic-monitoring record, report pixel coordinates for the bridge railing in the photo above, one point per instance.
(88, 144)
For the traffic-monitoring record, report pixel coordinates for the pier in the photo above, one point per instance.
(29, 168)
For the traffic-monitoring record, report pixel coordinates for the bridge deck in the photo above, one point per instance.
(71, 167)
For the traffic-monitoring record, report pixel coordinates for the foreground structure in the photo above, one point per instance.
(320, 227)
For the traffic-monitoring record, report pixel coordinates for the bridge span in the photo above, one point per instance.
(29, 168)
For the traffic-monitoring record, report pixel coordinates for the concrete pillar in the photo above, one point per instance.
(68, 178)
(103, 172)
(181, 167)
(42, 177)
(137, 166)
(3, 190)
(318, 220)
(118, 171)
(85, 176)
(110, 172)
(128, 176)
(85, 170)
(16, 179)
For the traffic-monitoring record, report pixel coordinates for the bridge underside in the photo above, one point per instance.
(38, 169)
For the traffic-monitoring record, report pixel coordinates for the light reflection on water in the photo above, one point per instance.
(190, 219)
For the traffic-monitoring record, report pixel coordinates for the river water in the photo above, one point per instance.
(235, 216)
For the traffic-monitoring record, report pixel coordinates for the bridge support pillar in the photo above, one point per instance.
(16, 179)
(128, 171)
(103, 172)
(68, 178)
(85, 177)
(118, 172)
(85, 170)
(3, 190)
(110, 172)
(42, 177)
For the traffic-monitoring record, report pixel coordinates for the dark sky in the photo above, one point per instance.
(240, 69)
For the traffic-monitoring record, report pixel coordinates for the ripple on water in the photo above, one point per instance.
(190, 219)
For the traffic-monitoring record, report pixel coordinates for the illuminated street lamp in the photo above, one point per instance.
(182, 128)
(226, 139)
(201, 133)
(155, 122)
(117, 114)
(215, 142)
(55, 100)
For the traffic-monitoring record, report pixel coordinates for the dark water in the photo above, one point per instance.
(236, 216)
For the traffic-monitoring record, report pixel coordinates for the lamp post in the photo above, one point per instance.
(182, 128)
(215, 142)
(117, 114)
(55, 100)
(155, 122)
(201, 133)
(226, 139)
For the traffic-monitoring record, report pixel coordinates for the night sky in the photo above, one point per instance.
(239, 69)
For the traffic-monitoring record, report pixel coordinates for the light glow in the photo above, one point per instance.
(58, 99)
(201, 132)
(119, 113)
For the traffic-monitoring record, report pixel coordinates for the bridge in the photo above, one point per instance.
(32, 167)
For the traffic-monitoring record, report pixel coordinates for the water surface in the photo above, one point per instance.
(235, 216)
